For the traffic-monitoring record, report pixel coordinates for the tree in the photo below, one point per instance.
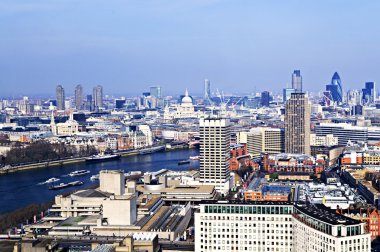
(273, 176)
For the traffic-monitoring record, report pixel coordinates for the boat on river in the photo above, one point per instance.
(78, 173)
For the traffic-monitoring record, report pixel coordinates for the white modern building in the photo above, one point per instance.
(327, 140)
(214, 153)
(318, 229)
(264, 226)
(276, 226)
(343, 131)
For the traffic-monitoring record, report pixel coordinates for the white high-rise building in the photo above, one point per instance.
(276, 226)
(214, 153)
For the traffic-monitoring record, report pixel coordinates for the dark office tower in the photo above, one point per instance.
(297, 81)
(60, 95)
(89, 103)
(156, 92)
(79, 97)
(369, 93)
(297, 124)
(265, 97)
(97, 96)
(207, 90)
(119, 103)
(335, 88)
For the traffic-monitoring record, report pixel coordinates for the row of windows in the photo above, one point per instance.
(249, 209)
(244, 218)
(220, 233)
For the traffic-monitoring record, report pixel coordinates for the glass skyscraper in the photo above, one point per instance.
(286, 93)
(297, 81)
(335, 88)
(369, 92)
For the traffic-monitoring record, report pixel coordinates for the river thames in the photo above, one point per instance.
(22, 188)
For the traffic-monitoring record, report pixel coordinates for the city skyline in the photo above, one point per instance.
(189, 125)
(135, 45)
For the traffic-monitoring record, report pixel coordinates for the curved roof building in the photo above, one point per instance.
(335, 88)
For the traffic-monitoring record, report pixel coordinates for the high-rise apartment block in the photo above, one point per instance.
(214, 153)
(97, 96)
(60, 96)
(297, 124)
(79, 97)
(297, 81)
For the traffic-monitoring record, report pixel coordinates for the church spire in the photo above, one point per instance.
(52, 121)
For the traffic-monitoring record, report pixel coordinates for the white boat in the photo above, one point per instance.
(75, 183)
(60, 186)
(78, 173)
(94, 177)
(52, 180)
(132, 173)
(102, 158)
(49, 181)
(194, 157)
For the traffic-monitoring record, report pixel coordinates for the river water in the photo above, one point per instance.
(22, 188)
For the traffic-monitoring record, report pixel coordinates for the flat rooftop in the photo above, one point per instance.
(188, 189)
(247, 203)
(322, 213)
(92, 193)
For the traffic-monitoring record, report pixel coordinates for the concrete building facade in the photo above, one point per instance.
(215, 153)
(297, 124)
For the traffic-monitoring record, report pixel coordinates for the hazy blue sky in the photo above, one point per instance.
(127, 46)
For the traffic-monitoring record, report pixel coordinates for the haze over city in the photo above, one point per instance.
(241, 46)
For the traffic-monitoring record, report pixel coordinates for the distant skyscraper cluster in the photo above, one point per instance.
(92, 101)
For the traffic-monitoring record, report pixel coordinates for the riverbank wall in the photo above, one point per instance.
(59, 163)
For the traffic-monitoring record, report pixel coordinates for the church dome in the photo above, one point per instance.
(187, 98)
